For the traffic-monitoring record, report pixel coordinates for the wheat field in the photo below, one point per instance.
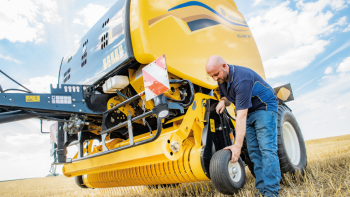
(327, 174)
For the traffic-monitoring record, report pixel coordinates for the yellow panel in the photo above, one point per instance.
(195, 160)
(183, 170)
(145, 154)
(156, 31)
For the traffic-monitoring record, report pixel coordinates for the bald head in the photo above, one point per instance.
(217, 68)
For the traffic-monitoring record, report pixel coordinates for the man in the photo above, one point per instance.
(256, 105)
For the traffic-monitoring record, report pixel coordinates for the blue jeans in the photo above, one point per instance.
(261, 136)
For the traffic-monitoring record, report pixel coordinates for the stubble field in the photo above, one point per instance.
(328, 174)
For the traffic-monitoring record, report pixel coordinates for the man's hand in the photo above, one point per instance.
(236, 152)
(220, 107)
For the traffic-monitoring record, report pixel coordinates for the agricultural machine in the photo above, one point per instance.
(136, 83)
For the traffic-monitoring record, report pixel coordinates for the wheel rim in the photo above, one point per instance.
(291, 143)
(238, 174)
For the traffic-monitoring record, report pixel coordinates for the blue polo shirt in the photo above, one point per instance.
(247, 90)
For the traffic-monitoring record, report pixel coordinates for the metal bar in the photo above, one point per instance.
(120, 125)
(55, 119)
(15, 81)
(61, 149)
(131, 135)
(159, 130)
(80, 146)
(12, 116)
(125, 102)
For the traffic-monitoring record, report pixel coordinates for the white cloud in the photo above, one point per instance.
(342, 21)
(344, 66)
(49, 10)
(338, 4)
(328, 70)
(90, 14)
(27, 139)
(5, 154)
(41, 84)
(8, 58)
(290, 39)
(347, 28)
(19, 19)
(318, 112)
(294, 59)
(341, 48)
(256, 2)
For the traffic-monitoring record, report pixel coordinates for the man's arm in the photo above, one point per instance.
(240, 133)
(224, 102)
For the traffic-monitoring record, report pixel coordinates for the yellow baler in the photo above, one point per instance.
(175, 137)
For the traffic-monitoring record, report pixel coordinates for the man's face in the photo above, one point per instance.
(219, 74)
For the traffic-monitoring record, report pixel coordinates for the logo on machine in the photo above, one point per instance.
(198, 15)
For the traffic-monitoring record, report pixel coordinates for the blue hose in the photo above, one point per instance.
(122, 95)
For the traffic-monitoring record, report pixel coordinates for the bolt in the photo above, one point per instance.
(112, 120)
(48, 97)
(118, 111)
(83, 100)
(73, 99)
(111, 104)
(48, 101)
(10, 99)
(234, 171)
(79, 110)
(73, 105)
(175, 147)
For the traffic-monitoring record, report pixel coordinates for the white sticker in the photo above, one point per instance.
(61, 99)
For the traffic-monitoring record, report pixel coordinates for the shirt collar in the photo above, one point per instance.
(231, 74)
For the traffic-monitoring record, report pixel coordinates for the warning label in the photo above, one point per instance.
(155, 78)
(32, 98)
(212, 125)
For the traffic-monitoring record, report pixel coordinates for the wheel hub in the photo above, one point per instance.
(235, 171)
(291, 143)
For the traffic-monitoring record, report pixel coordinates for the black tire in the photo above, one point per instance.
(219, 173)
(292, 162)
(79, 181)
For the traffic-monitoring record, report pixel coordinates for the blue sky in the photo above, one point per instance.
(305, 43)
